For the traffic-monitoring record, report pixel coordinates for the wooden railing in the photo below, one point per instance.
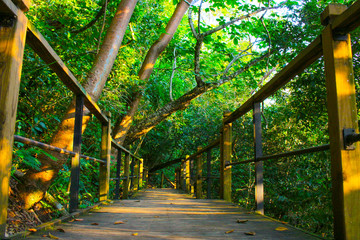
(335, 46)
(15, 31)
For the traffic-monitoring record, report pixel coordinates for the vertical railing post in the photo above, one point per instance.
(146, 177)
(208, 179)
(75, 161)
(341, 100)
(118, 169)
(132, 173)
(135, 182)
(141, 173)
(12, 36)
(176, 178)
(199, 166)
(162, 180)
(126, 181)
(225, 158)
(192, 177)
(187, 174)
(259, 179)
(104, 171)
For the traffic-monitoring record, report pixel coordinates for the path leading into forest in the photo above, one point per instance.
(170, 214)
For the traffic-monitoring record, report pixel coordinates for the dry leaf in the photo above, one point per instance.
(78, 219)
(232, 230)
(284, 222)
(94, 224)
(250, 233)
(72, 220)
(32, 230)
(44, 235)
(242, 221)
(60, 230)
(119, 222)
(281, 229)
(156, 216)
(134, 234)
(52, 236)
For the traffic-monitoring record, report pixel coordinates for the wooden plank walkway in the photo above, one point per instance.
(169, 214)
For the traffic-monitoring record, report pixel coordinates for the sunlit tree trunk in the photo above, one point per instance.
(36, 183)
(120, 131)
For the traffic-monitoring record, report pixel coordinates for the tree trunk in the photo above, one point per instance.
(35, 183)
(120, 131)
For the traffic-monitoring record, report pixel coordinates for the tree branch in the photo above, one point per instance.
(220, 27)
(172, 74)
(92, 22)
(191, 23)
(199, 16)
(198, 46)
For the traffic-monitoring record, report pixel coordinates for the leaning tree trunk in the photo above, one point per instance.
(36, 183)
(120, 131)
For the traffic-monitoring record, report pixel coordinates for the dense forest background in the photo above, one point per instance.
(229, 66)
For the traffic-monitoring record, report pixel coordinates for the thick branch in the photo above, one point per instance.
(198, 46)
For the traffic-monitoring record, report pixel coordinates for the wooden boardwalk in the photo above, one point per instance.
(169, 214)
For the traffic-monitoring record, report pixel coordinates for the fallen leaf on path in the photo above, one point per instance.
(156, 216)
(242, 221)
(119, 222)
(52, 236)
(281, 229)
(134, 234)
(232, 230)
(60, 230)
(44, 235)
(94, 224)
(284, 222)
(78, 219)
(72, 220)
(250, 233)
(32, 230)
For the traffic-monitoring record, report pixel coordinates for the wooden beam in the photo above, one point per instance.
(141, 174)
(75, 161)
(12, 43)
(104, 170)
(345, 164)
(259, 179)
(118, 146)
(118, 170)
(208, 179)
(166, 164)
(304, 59)
(24, 5)
(162, 180)
(126, 181)
(38, 43)
(349, 20)
(225, 158)
(136, 173)
(199, 166)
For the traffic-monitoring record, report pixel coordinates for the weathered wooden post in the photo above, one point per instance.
(176, 179)
(132, 172)
(118, 169)
(199, 165)
(208, 179)
(259, 179)
(75, 161)
(192, 177)
(146, 177)
(126, 182)
(345, 164)
(135, 182)
(162, 180)
(225, 158)
(187, 174)
(12, 35)
(141, 174)
(104, 171)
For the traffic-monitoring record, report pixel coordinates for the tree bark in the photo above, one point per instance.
(120, 131)
(36, 183)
